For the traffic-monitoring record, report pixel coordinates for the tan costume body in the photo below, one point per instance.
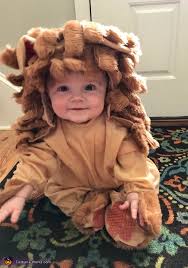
(97, 155)
(78, 159)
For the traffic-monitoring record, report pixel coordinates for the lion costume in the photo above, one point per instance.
(86, 170)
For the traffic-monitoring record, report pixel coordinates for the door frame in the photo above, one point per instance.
(82, 9)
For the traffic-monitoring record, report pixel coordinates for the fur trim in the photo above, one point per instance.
(74, 65)
(46, 43)
(8, 57)
(117, 100)
(57, 69)
(73, 38)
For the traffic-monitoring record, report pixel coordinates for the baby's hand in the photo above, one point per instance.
(13, 208)
(132, 202)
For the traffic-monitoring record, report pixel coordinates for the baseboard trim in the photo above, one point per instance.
(5, 127)
(180, 121)
(9, 84)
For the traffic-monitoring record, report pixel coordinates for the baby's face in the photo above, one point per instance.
(78, 97)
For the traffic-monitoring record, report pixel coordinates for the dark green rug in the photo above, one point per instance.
(44, 237)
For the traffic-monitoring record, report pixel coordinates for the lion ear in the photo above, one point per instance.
(25, 51)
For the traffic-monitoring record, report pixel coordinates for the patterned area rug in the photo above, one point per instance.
(44, 237)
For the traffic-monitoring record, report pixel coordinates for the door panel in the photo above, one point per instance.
(162, 28)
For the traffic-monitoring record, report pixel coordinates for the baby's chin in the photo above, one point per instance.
(77, 119)
(81, 121)
(80, 117)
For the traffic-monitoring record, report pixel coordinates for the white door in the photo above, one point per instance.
(162, 26)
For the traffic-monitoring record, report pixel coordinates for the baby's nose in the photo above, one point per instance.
(77, 96)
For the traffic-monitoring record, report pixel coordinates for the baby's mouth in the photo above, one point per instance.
(78, 109)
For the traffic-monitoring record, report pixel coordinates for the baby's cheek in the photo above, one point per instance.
(58, 105)
(98, 107)
(97, 100)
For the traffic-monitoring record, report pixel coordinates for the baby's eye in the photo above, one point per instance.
(62, 88)
(90, 87)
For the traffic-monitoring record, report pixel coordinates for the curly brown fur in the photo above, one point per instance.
(8, 57)
(16, 80)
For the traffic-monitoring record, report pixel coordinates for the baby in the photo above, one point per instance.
(84, 137)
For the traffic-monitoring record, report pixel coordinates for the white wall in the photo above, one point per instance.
(21, 15)
(17, 17)
(9, 108)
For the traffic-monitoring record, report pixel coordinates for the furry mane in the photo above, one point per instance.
(77, 46)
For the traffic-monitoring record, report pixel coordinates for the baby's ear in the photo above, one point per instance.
(8, 57)
(25, 51)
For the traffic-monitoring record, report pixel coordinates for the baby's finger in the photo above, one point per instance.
(3, 214)
(15, 215)
(141, 219)
(134, 209)
(125, 205)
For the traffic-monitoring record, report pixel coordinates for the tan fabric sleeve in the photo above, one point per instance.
(36, 165)
(135, 170)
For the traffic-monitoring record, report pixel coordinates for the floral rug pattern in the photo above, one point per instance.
(44, 237)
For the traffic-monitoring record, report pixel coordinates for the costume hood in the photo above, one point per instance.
(77, 46)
